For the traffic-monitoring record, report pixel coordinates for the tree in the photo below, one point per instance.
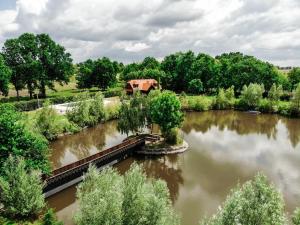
(275, 93)
(149, 63)
(109, 198)
(87, 111)
(165, 110)
(195, 86)
(37, 61)
(13, 58)
(132, 115)
(294, 77)
(21, 191)
(256, 202)
(5, 75)
(252, 94)
(17, 140)
(100, 73)
(225, 99)
(50, 219)
(295, 106)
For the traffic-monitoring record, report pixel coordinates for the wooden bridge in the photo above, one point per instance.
(71, 174)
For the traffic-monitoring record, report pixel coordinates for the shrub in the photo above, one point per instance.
(173, 137)
(21, 192)
(50, 124)
(195, 86)
(224, 99)
(275, 93)
(17, 140)
(50, 219)
(256, 202)
(111, 199)
(199, 103)
(252, 94)
(112, 112)
(112, 92)
(87, 111)
(266, 106)
(295, 106)
(296, 217)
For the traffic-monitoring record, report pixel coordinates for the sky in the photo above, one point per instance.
(130, 30)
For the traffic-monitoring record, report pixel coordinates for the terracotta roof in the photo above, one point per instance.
(142, 84)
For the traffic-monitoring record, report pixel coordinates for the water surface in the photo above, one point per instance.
(225, 148)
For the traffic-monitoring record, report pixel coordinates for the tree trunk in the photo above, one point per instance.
(43, 90)
(18, 94)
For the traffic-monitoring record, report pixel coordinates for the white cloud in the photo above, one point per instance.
(129, 32)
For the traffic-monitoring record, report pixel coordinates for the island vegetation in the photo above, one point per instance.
(188, 81)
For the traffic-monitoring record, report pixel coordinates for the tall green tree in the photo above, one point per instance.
(17, 140)
(294, 77)
(149, 63)
(256, 202)
(295, 106)
(165, 110)
(252, 94)
(21, 191)
(12, 54)
(37, 62)
(111, 199)
(5, 75)
(132, 114)
(101, 73)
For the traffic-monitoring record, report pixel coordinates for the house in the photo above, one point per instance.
(142, 85)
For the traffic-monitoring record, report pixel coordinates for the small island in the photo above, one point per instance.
(160, 108)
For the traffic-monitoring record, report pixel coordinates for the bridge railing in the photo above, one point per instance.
(91, 158)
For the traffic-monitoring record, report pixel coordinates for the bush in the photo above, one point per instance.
(252, 95)
(275, 93)
(296, 217)
(199, 103)
(266, 106)
(195, 86)
(256, 202)
(87, 111)
(295, 106)
(50, 219)
(112, 112)
(111, 199)
(112, 92)
(224, 99)
(50, 124)
(173, 137)
(17, 140)
(21, 192)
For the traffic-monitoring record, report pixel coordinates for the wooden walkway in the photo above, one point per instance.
(71, 174)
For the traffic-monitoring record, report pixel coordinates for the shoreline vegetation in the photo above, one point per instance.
(228, 81)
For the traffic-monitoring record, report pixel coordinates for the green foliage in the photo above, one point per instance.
(296, 217)
(50, 219)
(197, 103)
(173, 137)
(17, 140)
(195, 86)
(132, 114)
(112, 112)
(50, 124)
(87, 111)
(5, 74)
(267, 106)
(224, 99)
(275, 93)
(101, 73)
(37, 61)
(295, 106)
(256, 202)
(109, 198)
(165, 110)
(294, 77)
(252, 94)
(21, 192)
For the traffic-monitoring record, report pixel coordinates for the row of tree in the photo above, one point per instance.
(185, 71)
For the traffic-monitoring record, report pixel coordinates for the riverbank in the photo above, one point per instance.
(163, 149)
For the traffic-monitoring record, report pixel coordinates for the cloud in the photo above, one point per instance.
(129, 32)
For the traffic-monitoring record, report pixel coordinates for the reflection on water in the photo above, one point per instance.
(225, 148)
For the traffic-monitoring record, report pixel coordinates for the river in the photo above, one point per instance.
(225, 148)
